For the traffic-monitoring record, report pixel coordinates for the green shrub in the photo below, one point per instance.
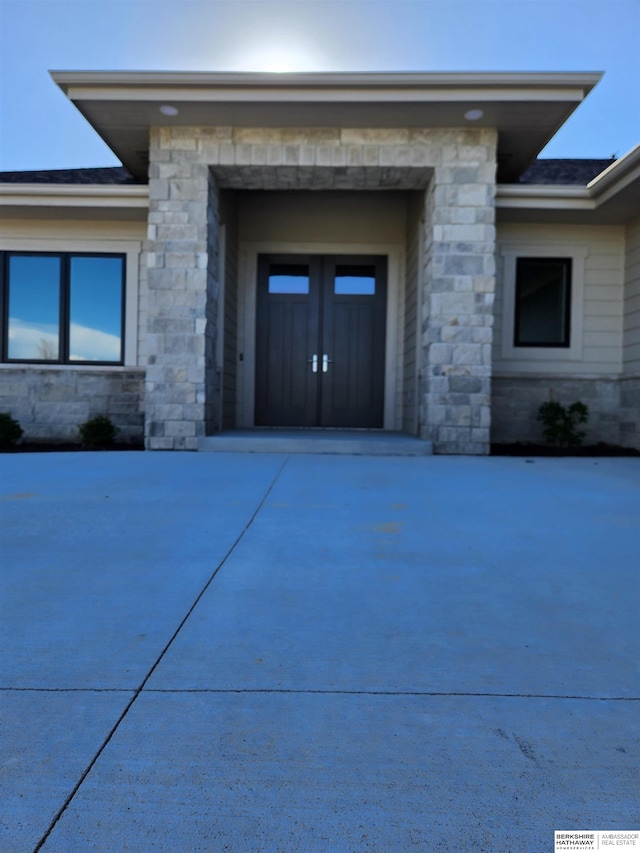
(10, 431)
(98, 433)
(560, 423)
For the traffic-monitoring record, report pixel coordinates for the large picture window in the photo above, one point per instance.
(543, 302)
(63, 308)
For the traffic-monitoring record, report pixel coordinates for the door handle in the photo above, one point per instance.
(313, 361)
(326, 361)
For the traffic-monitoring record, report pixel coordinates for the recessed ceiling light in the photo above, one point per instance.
(168, 110)
(473, 115)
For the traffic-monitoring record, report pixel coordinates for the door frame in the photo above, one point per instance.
(247, 301)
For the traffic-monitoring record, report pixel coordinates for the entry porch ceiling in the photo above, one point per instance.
(527, 109)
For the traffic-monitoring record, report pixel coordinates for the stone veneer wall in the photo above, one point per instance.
(458, 166)
(411, 309)
(630, 411)
(179, 273)
(613, 412)
(459, 294)
(49, 402)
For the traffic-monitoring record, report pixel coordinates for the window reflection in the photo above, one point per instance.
(355, 281)
(95, 309)
(287, 278)
(34, 308)
(64, 308)
(542, 302)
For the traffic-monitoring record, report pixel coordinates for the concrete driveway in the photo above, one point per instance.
(260, 652)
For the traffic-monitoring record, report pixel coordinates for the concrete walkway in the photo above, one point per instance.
(260, 652)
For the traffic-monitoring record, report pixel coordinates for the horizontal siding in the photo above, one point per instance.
(631, 351)
(597, 289)
(602, 323)
(230, 334)
(602, 313)
(600, 263)
(602, 355)
(632, 337)
(409, 390)
(602, 308)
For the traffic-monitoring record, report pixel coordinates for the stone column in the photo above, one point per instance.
(458, 299)
(182, 263)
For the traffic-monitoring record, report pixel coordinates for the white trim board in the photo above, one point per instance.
(509, 255)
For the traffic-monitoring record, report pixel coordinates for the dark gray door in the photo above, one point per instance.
(320, 340)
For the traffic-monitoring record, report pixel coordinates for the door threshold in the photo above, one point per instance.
(354, 442)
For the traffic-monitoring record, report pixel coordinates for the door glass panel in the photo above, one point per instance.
(288, 278)
(351, 280)
(34, 308)
(95, 309)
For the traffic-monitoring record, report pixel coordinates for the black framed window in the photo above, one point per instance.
(63, 307)
(543, 302)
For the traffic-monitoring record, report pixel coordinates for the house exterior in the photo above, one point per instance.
(369, 251)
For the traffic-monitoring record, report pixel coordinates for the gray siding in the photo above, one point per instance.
(230, 334)
(631, 344)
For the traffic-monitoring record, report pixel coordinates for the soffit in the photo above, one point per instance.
(526, 109)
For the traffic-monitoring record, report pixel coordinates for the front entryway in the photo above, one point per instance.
(320, 341)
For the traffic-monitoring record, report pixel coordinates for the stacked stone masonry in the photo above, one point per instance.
(614, 413)
(189, 164)
(50, 403)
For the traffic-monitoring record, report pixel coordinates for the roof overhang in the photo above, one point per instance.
(526, 108)
(611, 198)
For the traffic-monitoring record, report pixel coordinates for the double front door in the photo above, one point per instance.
(320, 340)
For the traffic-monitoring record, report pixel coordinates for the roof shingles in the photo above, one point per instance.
(108, 175)
(575, 172)
(546, 171)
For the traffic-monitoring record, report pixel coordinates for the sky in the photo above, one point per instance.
(41, 129)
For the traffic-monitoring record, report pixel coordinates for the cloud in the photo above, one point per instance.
(87, 344)
(32, 341)
(40, 341)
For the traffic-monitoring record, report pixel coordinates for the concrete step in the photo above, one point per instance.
(346, 442)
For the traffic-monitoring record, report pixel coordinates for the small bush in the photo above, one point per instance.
(10, 431)
(560, 423)
(98, 433)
